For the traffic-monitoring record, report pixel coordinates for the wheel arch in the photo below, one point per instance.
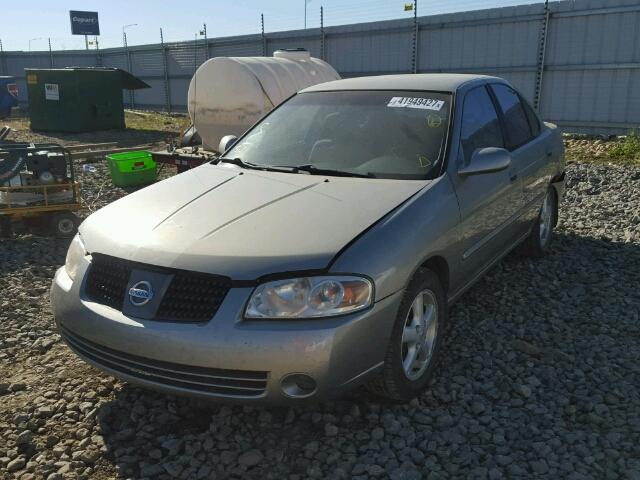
(558, 186)
(439, 265)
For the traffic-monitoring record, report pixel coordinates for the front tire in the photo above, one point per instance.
(539, 239)
(414, 346)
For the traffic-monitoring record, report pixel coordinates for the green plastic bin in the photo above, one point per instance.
(132, 168)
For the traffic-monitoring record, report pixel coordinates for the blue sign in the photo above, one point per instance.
(84, 23)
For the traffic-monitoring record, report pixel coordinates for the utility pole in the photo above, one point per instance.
(264, 39)
(305, 13)
(33, 40)
(86, 42)
(1, 57)
(124, 33)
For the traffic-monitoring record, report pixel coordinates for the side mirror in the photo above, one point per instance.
(226, 142)
(486, 160)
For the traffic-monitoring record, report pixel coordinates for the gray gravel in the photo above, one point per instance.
(540, 377)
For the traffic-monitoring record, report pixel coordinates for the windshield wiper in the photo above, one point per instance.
(252, 166)
(308, 168)
(313, 170)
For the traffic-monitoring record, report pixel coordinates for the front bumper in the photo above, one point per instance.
(227, 358)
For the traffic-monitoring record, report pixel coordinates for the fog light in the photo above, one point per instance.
(298, 385)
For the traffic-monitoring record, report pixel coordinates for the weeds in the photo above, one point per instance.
(627, 149)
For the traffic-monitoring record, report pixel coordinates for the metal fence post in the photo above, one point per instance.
(414, 60)
(132, 98)
(542, 48)
(51, 62)
(322, 33)
(167, 82)
(3, 68)
(128, 54)
(195, 54)
(98, 53)
(206, 42)
(264, 38)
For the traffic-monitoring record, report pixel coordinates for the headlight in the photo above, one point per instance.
(75, 254)
(310, 297)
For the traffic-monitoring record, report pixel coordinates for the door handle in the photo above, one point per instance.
(513, 177)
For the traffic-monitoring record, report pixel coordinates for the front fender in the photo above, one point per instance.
(392, 250)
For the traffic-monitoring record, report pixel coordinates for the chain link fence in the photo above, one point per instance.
(578, 61)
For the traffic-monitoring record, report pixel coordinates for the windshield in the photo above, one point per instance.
(383, 134)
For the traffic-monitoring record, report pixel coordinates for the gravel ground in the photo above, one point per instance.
(540, 377)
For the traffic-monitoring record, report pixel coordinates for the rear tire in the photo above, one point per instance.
(414, 346)
(537, 243)
(64, 224)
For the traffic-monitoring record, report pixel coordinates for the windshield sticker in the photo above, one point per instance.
(424, 161)
(434, 121)
(416, 102)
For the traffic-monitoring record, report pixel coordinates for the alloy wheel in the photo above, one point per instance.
(546, 217)
(419, 334)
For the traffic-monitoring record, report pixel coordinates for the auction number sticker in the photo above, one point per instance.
(51, 91)
(416, 102)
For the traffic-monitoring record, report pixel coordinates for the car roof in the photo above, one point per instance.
(441, 82)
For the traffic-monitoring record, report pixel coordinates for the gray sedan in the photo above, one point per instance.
(322, 250)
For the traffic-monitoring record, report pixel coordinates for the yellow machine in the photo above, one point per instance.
(38, 187)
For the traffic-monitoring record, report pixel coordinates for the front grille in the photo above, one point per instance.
(190, 297)
(107, 280)
(236, 383)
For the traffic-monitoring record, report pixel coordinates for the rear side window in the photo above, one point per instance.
(480, 126)
(516, 123)
(534, 123)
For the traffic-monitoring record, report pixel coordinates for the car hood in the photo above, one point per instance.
(242, 223)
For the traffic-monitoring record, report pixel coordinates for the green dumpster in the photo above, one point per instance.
(132, 168)
(78, 99)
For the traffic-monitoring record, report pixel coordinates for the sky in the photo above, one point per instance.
(32, 22)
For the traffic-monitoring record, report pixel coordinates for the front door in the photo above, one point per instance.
(489, 202)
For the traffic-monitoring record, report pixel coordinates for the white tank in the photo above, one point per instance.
(229, 94)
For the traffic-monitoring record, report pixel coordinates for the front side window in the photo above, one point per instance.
(384, 134)
(516, 123)
(480, 125)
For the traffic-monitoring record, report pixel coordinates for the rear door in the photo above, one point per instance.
(488, 202)
(527, 146)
